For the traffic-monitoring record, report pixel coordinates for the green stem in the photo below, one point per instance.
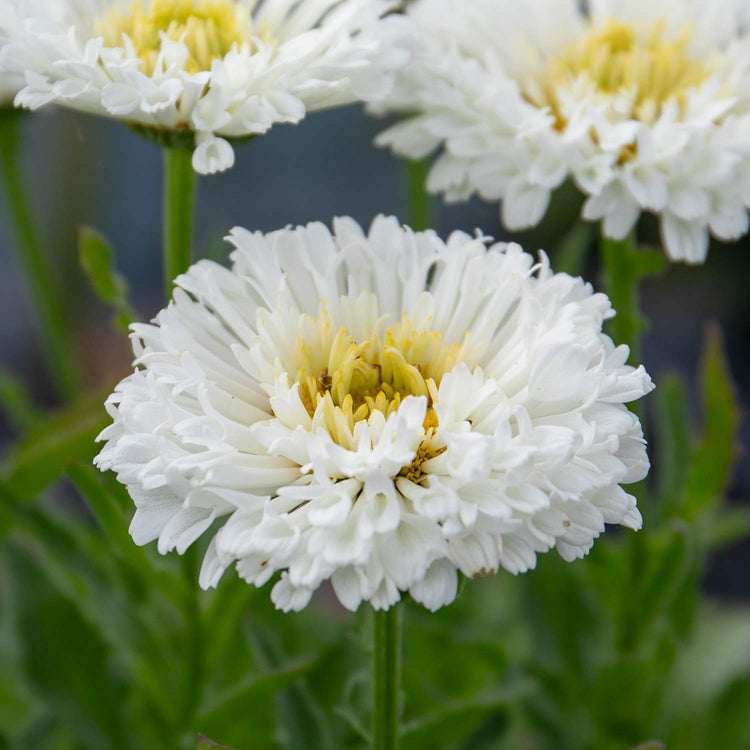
(387, 679)
(179, 202)
(179, 199)
(58, 341)
(419, 205)
(621, 279)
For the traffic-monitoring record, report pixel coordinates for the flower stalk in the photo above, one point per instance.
(419, 209)
(179, 200)
(58, 341)
(386, 678)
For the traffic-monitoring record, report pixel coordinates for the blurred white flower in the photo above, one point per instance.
(644, 105)
(379, 410)
(208, 70)
(10, 83)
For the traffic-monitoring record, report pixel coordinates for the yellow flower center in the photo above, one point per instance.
(355, 379)
(208, 28)
(646, 72)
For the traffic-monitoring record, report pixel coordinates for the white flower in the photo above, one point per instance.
(645, 105)
(10, 84)
(208, 70)
(379, 410)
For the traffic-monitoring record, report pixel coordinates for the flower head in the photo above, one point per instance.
(380, 410)
(644, 105)
(202, 71)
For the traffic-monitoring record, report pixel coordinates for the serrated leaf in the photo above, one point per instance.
(712, 461)
(97, 261)
(50, 447)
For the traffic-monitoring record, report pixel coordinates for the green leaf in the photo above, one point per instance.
(729, 726)
(79, 565)
(49, 448)
(136, 566)
(710, 468)
(68, 662)
(727, 527)
(16, 404)
(668, 571)
(673, 441)
(455, 720)
(96, 259)
(571, 252)
(247, 703)
(301, 720)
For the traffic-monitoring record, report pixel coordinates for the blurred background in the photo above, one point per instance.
(85, 171)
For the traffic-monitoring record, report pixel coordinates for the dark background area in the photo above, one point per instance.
(81, 170)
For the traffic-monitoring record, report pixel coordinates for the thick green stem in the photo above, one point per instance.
(419, 204)
(179, 201)
(179, 198)
(386, 679)
(58, 342)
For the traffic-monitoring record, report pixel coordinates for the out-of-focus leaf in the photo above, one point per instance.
(48, 449)
(728, 725)
(251, 701)
(301, 721)
(727, 527)
(560, 611)
(16, 404)
(453, 721)
(108, 513)
(69, 663)
(571, 252)
(79, 566)
(668, 571)
(97, 261)
(710, 468)
(673, 432)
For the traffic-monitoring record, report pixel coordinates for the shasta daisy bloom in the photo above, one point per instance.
(379, 410)
(201, 72)
(644, 105)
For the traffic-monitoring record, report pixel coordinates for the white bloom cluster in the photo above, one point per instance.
(644, 105)
(379, 409)
(218, 69)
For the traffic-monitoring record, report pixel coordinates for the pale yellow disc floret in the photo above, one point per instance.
(647, 70)
(208, 28)
(354, 379)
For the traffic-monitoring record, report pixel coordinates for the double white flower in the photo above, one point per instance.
(644, 105)
(209, 70)
(380, 410)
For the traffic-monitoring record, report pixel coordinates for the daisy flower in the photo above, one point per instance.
(644, 105)
(378, 409)
(201, 73)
